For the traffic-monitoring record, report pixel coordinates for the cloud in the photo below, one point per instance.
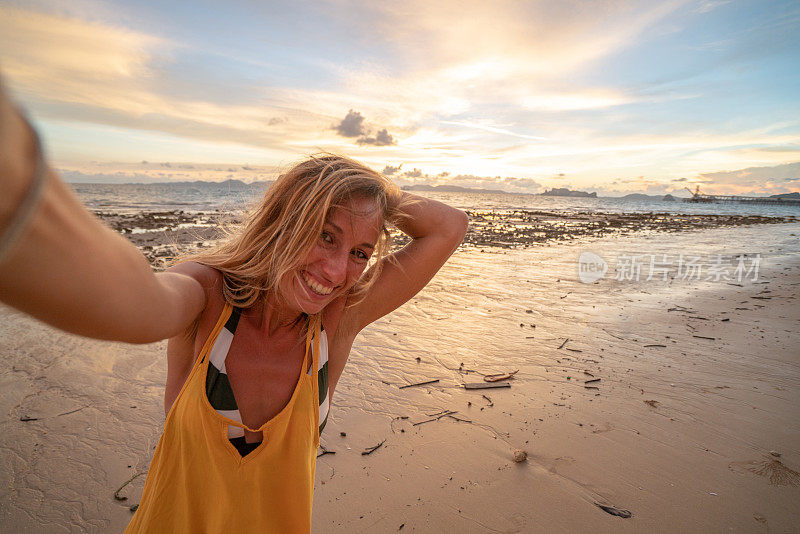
(754, 176)
(576, 101)
(505, 88)
(352, 125)
(79, 72)
(389, 170)
(505, 183)
(152, 172)
(710, 5)
(382, 138)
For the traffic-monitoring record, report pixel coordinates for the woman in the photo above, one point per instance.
(260, 330)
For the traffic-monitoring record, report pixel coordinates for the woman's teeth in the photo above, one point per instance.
(315, 287)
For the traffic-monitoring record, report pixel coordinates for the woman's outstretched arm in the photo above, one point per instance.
(72, 272)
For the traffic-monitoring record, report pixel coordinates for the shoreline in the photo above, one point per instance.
(161, 235)
(689, 461)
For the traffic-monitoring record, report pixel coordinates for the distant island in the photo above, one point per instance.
(642, 196)
(230, 182)
(564, 192)
(794, 195)
(456, 189)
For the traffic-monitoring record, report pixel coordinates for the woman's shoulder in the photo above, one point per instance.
(208, 277)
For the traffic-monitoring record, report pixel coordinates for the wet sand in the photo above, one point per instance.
(718, 363)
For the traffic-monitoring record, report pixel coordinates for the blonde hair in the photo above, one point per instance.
(280, 232)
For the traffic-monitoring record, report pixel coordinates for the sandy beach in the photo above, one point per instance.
(692, 425)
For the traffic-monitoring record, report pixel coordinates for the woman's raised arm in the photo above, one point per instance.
(68, 269)
(436, 230)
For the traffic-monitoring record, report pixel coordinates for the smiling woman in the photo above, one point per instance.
(259, 328)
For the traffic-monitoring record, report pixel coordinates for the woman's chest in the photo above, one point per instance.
(263, 377)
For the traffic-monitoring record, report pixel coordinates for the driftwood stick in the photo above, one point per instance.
(459, 419)
(447, 412)
(370, 450)
(499, 376)
(420, 384)
(325, 451)
(564, 343)
(119, 497)
(486, 385)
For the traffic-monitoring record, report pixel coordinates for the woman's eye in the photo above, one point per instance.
(361, 255)
(328, 238)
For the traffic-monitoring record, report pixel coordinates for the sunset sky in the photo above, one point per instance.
(605, 96)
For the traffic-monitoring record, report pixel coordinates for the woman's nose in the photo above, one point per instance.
(335, 267)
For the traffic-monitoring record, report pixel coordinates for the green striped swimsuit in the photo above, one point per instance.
(220, 393)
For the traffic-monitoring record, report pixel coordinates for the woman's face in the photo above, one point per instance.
(338, 258)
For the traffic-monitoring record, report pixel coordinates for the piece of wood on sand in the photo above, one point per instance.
(499, 376)
(420, 384)
(486, 385)
(119, 497)
(625, 514)
(370, 450)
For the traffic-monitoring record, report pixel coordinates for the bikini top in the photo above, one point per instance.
(220, 393)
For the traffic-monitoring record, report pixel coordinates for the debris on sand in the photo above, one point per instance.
(500, 376)
(370, 450)
(652, 403)
(119, 497)
(520, 455)
(772, 468)
(438, 416)
(486, 385)
(420, 384)
(625, 514)
(324, 451)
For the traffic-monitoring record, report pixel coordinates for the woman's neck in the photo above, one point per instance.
(269, 314)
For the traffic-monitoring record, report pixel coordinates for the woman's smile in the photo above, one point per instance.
(316, 287)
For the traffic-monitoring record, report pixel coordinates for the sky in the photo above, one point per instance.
(607, 96)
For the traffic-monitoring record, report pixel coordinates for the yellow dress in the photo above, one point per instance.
(199, 483)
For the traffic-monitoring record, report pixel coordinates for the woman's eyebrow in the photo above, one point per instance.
(335, 227)
(340, 231)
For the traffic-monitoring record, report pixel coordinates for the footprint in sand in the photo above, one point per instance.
(772, 467)
(605, 428)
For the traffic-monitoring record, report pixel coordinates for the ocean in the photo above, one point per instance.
(232, 197)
